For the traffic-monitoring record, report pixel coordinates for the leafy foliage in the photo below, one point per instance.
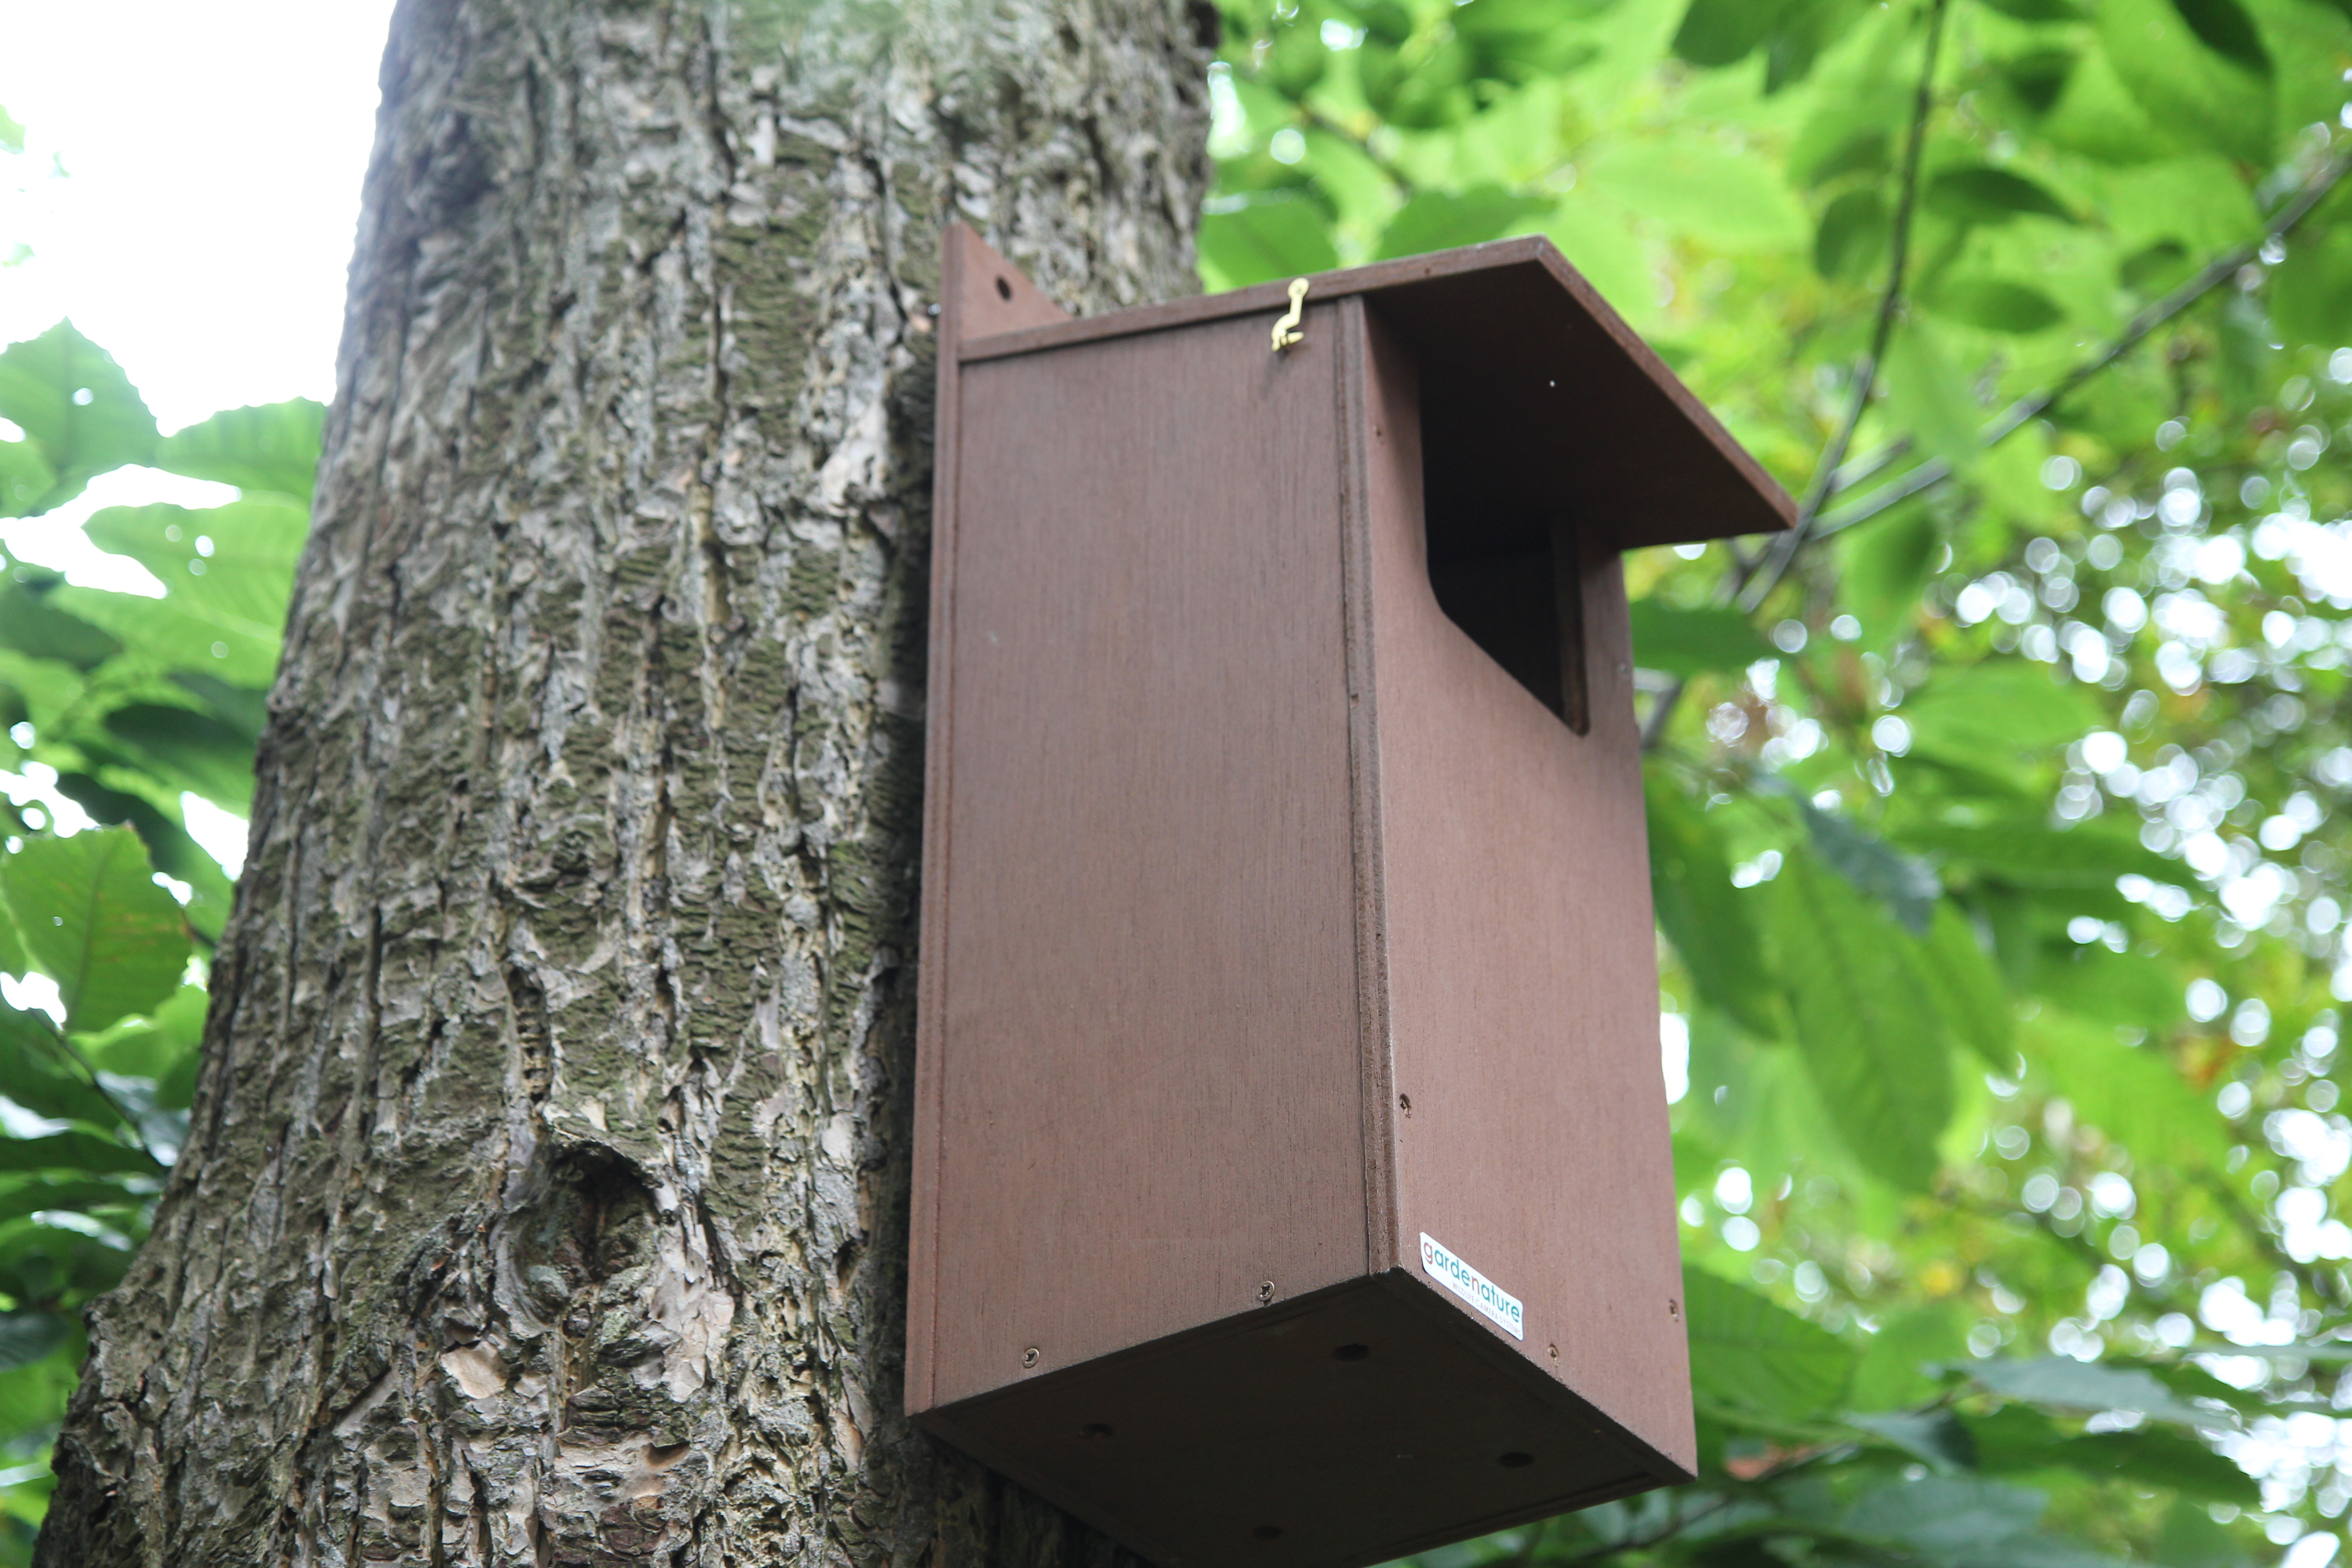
(132, 711)
(1995, 819)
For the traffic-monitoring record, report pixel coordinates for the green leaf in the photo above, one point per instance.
(1297, 61)
(70, 396)
(1866, 1022)
(2156, 1457)
(2069, 1384)
(273, 447)
(188, 750)
(1884, 569)
(1724, 31)
(2184, 85)
(2000, 707)
(1980, 194)
(27, 1337)
(2037, 10)
(1851, 236)
(1897, 1364)
(1689, 641)
(1904, 883)
(2190, 1539)
(1748, 1354)
(2202, 202)
(1936, 1435)
(36, 1074)
(2130, 989)
(1270, 238)
(1598, 238)
(153, 1045)
(32, 625)
(25, 478)
(93, 919)
(1702, 913)
(1440, 220)
(2311, 290)
(1699, 189)
(2223, 26)
(2038, 77)
(1996, 305)
(2097, 116)
(1930, 398)
(223, 613)
(1967, 989)
(2019, 1440)
(2132, 1094)
(75, 1151)
(14, 960)
(1962, 1521)
(2031, 853)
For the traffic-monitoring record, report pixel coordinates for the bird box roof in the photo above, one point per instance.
(1536, 397)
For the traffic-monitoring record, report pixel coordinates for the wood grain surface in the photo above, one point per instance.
(1146, 1080)
(1522, 967)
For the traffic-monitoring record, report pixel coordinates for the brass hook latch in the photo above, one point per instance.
(1285, 331)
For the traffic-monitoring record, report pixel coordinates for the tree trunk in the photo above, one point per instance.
(546, 1196)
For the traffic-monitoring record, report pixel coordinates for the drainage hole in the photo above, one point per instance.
(1515, 1460)
(1003, 289)
(1268, 1532)
(1094, 1431)
(1352, 1353)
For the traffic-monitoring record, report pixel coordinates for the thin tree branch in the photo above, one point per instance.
(63, 1046)
(1865, 375)
(2018, 415)
(1773, 562)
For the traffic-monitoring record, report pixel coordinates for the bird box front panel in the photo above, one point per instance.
(1529, 1128)
(1144, 1108)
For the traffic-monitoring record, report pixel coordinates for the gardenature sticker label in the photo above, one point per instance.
(1493, 1302)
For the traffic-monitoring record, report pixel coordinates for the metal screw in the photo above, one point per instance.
(1265, 1292)
(1673, 1308)
(1555, 1351)
(1404, 1103)
(1029, 1357)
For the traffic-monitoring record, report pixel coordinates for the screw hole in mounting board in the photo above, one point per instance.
(1515, 1460)
(1352, 1353)
(1003, 289)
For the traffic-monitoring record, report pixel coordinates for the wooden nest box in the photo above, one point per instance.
(1292, 1181)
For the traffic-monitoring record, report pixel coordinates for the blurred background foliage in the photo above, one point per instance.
(124, 717)
(1996, 815)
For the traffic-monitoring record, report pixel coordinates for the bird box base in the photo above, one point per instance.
(1360, 1403)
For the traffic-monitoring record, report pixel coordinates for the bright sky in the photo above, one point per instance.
(213, 151)
(200, 231)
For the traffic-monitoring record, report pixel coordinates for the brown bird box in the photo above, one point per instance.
(1292, 1180)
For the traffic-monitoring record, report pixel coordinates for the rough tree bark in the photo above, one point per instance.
(545, 1202)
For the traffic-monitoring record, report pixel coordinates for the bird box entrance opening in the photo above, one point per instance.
(1517, 588)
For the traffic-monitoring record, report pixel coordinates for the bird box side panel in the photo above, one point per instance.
(1146, 1080)
(1522, 970)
